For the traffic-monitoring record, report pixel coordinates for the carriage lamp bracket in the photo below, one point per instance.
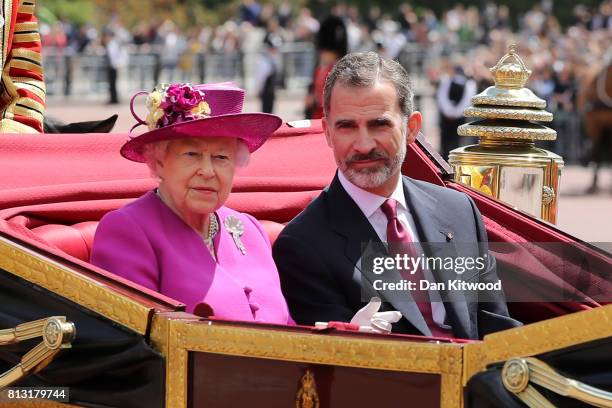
(519, 373)
(56, 333)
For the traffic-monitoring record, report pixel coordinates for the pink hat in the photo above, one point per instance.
(209, 110)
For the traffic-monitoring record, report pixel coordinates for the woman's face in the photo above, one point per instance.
(196, 176)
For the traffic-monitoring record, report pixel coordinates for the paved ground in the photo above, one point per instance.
(588, 217)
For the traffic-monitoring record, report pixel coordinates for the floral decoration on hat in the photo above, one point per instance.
(197, 111)
(176, 103)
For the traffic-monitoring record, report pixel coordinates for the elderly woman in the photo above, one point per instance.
(179, 239)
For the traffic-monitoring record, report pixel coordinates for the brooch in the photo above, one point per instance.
(235, 227)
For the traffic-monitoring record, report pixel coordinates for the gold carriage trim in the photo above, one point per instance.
(73, 285)
(512, 114)
(176, 337)
(518, 375)
(56, 334)
(507, 132)
(314, 348)
(537, 338)
(508, 99)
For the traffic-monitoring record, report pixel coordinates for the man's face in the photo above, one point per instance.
(368, 133)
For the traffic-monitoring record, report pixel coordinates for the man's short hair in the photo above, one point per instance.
(364, 69)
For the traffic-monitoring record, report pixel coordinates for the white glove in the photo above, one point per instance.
(369, 319)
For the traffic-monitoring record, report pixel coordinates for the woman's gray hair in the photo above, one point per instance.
(156, 152)
(364, 69)
(153, 153)
(243, 156)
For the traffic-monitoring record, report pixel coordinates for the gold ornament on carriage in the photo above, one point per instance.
(307, 396)
(506, 164)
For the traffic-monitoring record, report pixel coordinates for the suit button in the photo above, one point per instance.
(254, 306)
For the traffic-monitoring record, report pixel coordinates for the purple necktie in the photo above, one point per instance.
(401, 242)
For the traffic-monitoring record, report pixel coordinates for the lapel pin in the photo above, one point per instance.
(449, 236)
(236, 229)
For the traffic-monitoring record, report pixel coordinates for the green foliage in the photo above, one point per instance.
(78, 11)
(197, 13)
(185, 13)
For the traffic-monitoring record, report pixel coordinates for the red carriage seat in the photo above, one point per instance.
(77, 240)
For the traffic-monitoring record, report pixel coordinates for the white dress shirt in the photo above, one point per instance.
(369, 204)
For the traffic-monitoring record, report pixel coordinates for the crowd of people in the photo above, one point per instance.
(386, 32)
(458, 45)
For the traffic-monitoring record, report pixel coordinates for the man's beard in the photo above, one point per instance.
(373, 177)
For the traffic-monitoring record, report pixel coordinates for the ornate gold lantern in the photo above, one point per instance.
(505, 163)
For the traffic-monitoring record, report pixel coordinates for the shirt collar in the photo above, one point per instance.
(367, 202)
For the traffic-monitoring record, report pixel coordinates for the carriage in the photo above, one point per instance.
(111, 343)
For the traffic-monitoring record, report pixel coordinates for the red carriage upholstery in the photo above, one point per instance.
(76, 240)
(273, 229)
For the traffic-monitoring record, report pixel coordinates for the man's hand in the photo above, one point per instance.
(370, 317)
(367, 319)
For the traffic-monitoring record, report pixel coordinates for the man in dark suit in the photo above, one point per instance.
(325, 272)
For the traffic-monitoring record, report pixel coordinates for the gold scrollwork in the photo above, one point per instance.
(533, 102)
(519, 373)
(548, 195)
(507, 132)
(313, 348)
(507, 113)
(515, 375)
(57, 334)
(307, 396)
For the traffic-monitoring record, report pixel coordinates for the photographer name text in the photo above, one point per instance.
(423, 284)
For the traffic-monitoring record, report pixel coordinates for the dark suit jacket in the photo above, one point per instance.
(319, 260)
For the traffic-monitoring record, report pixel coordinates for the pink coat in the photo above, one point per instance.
(149, 244)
